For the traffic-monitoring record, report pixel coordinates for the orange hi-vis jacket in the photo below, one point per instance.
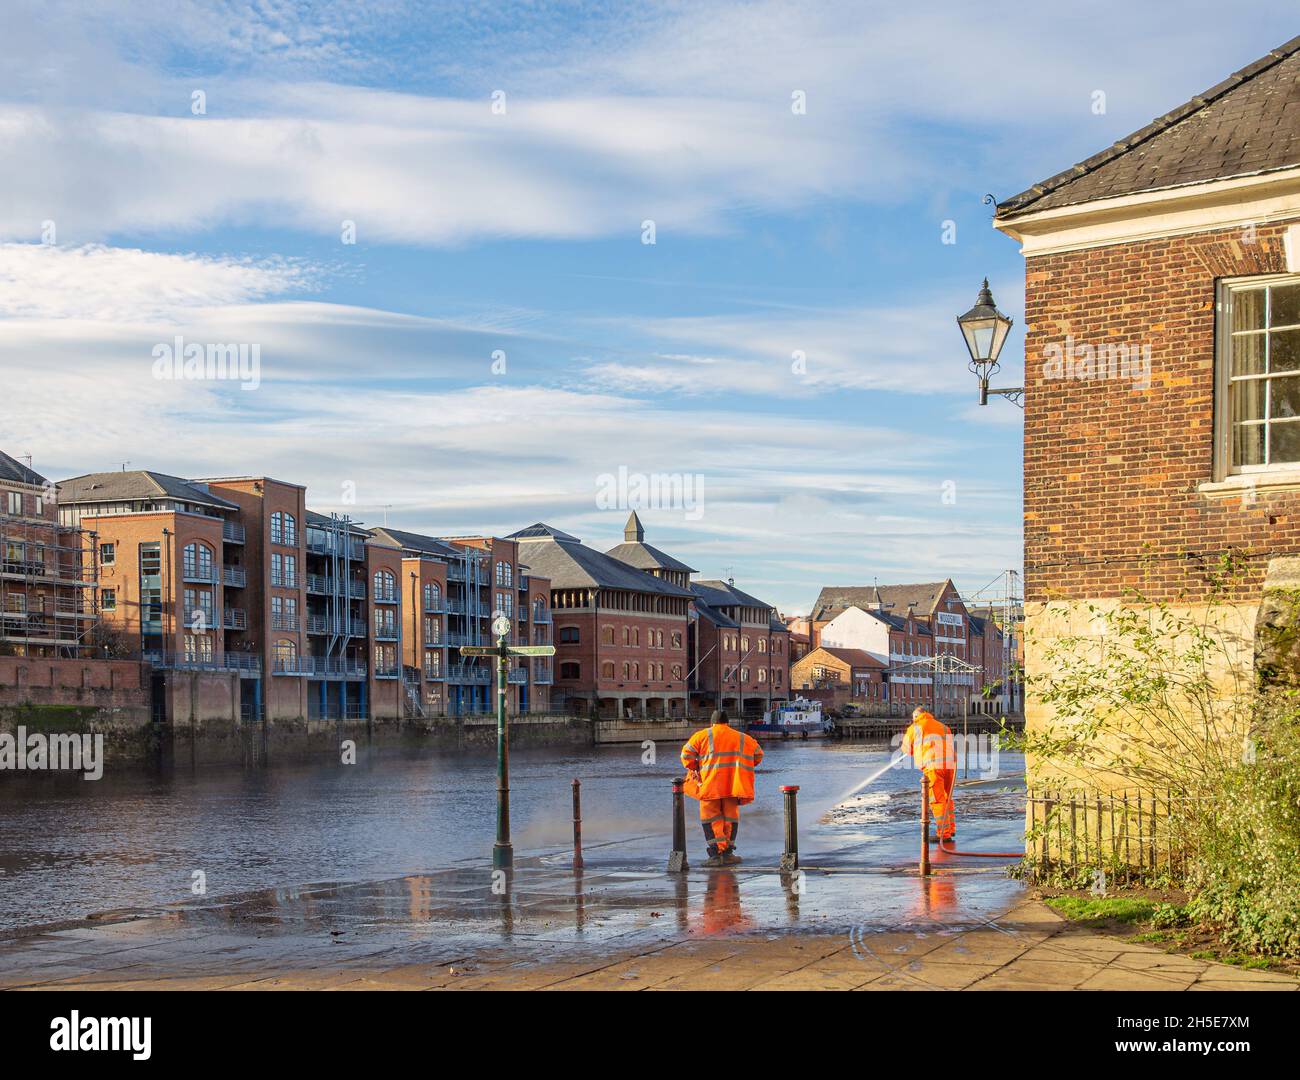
(929, 744)
(726, 759)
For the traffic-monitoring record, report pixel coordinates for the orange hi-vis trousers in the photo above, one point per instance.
(942, 811)
(721, 821)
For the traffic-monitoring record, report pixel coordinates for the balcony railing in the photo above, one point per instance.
(543, 616)
(328, 546)
(232, 532)
(468, 673)
(200, 574)
(456, 607)
(202, 617)
(385, 631)
(231, 661)
(434, 674)
(234, 577)
(388, 672)
(435, 607)
(517, 676)
(386, 596)
(324, 624)
(324, 585)
(281, 621)
(543, 677)
(283, 579)
(318, 665)
(234, 618)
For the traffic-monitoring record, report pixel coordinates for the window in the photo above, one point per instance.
(196, 560)
(677, 671)
(15, 502)
(277, 528)
(570, 671)
(607, 635)
(385, 585)
(762, 645)
(40, 506)
(568, 635)
(432, 596)
(607, 669)
(108, 599)
(433, 664)
(677, 640)
(198, 648)
(290, 530)
(286, 653)
(108, 554)
(1258, 367)
(432, 630)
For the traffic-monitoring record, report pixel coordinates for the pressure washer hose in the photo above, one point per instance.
(943, 846)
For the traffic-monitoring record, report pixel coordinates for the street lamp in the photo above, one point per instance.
(985, 329)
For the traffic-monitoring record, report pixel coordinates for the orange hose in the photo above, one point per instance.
(943, 846)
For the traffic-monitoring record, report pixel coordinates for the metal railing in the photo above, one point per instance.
(233, 576)
(284, 579)
(386, 596)
(324, 624)
(388, 672)
(468, 673)
(232, 532)
(517, 676)
(385, 631)
(230, 661)
(281, 621)
(318, 665)
(321, 583)
(198, 575)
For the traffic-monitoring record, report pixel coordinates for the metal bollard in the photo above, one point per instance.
(677, 860)
(790, 857)
(925, 825)
(577, 823)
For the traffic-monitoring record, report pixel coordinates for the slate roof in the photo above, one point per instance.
(636, 552)
(563, 559)
(18, 473)
(853, 657)
(136, 484)
(418, 542)
(1246, 125)
(895, 598)
(721, 594)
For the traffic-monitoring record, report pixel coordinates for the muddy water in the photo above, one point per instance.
(70, 847)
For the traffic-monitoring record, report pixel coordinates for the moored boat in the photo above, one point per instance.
(798, 719)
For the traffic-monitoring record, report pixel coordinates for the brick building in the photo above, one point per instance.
(233, 576)
(739, 651)
(907, 627)
(455, 586)
(1162, 370)
(837, 677)
(47, 570)
(620, 631)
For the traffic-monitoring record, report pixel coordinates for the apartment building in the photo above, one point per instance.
(1162, 395)
(620, 631)
(234, 576)
(456, 586)
(739, 651)
(48, 573)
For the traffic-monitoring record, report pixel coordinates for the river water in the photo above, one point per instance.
(134, 839)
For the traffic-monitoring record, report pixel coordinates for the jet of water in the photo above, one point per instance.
(894, 759)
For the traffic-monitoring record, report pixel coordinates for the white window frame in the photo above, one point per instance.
(1223, 469)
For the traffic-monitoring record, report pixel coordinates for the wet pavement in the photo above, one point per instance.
(411, 900)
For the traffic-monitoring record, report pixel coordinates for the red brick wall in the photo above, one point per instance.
(1111, 471)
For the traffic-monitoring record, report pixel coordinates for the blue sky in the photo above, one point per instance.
(519, 232)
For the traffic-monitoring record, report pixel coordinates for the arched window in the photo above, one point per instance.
(627, 670)
(286, 654)
(607, 669)
(570, 670)
(385, 585)
(196, 560)
(636, 672)
(277, 527)
(432, 596)
(568, 635)
(290, 530)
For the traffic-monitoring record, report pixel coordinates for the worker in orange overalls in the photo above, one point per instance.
(720, 763)
(929, 744)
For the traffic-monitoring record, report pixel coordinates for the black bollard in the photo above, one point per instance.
(790, 857)
(577, 823)
(925, 825)
(677, 860)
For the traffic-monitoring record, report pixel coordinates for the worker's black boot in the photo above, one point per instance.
(714, 858)
(730, 858)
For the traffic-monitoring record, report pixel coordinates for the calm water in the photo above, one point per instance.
(69, 847)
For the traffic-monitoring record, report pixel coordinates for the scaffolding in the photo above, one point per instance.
(49, 599)
(1002, 599)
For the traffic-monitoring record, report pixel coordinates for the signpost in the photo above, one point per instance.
(502, 850)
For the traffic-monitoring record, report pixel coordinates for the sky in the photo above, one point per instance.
(431, 224)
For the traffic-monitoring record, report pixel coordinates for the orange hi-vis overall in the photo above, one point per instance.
(725, 759)
(929, 743)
